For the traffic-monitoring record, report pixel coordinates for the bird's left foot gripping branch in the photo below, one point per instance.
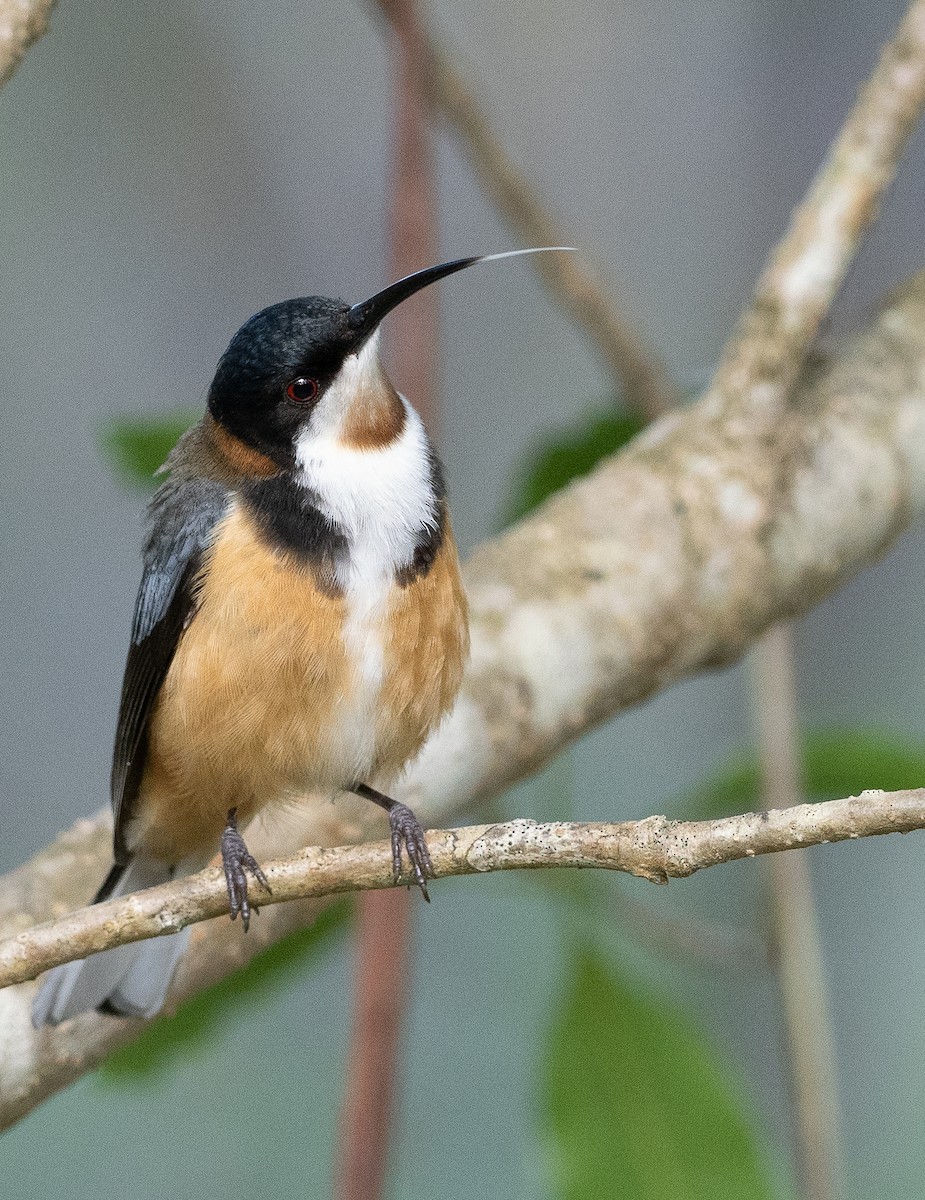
(300, 627)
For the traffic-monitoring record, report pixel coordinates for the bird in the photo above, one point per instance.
(301, 624)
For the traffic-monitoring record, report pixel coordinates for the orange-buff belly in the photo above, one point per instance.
(266, 698)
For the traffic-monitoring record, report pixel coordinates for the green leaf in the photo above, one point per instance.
(200, 1019)
(637, 1105)
(843, 762)
(836, 762)
(139, 445)
(570, 454)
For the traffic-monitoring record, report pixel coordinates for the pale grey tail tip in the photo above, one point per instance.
(130, 981)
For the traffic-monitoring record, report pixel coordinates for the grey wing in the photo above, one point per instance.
(184, 513)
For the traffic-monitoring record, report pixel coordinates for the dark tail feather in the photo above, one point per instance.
(110, 884)
(129, 980)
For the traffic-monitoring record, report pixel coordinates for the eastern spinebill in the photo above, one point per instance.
(301, 625)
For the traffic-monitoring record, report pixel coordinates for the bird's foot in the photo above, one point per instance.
(407, 836)
(408, 833)
(237, 860)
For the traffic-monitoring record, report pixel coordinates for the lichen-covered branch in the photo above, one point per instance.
(758, 372)
(655, 848)
(754, 380)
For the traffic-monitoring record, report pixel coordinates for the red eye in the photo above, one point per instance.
(302, 390)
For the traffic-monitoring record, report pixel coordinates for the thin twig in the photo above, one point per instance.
(656, 849)
(384, 920)
(570, 277)
(796, 944)
(758, 371)
(620, 601)
(413, 328)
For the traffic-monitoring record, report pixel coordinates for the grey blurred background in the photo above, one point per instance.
(169, 169)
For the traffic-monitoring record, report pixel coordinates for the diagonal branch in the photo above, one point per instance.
(656, 849)
(754, 381)
(759, 369)
(762, 361)
(22, 22)
(570, 277)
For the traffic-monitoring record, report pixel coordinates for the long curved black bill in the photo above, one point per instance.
(365, 317)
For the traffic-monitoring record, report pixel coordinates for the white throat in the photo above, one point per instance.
(380, 498)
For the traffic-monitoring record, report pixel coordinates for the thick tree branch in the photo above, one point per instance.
(754, 382)
(760, 367)
(22, 22)
(656, 849)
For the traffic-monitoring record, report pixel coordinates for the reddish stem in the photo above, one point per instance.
(413, 328)
(384, 929)
(383, 954)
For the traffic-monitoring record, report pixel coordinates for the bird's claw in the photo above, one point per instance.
(408, 834)
(236, 861)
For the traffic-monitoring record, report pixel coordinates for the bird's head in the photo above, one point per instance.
(310, 367)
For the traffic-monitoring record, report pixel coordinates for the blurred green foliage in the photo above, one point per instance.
(568, 454)
(138, 446)
(836, 762)
(636, 1104)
